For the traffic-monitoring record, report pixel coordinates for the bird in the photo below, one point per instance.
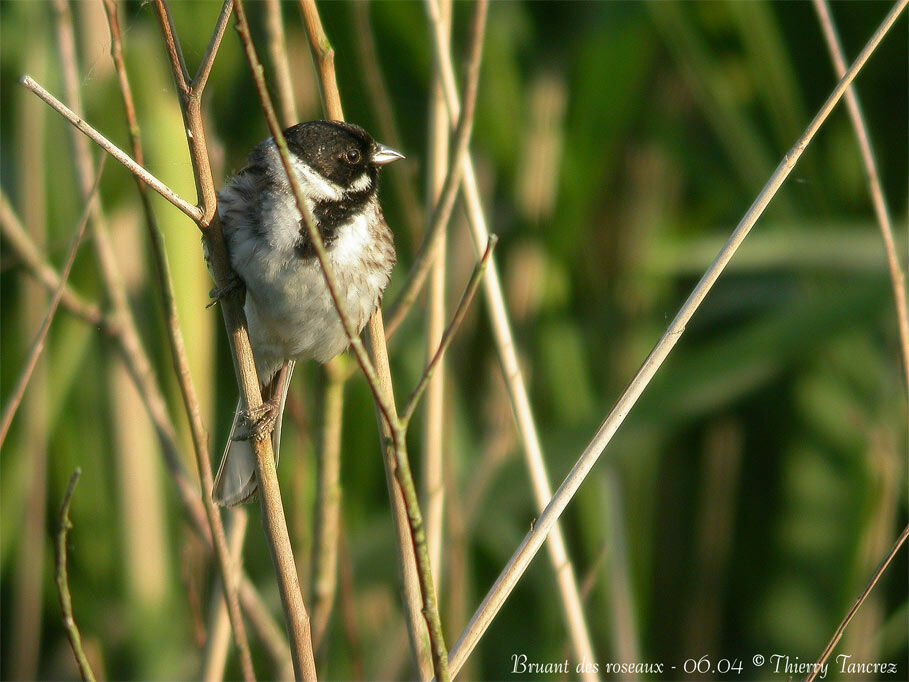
(289, 310)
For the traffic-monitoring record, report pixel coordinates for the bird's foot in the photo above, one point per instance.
(232, 286)
(258, 423)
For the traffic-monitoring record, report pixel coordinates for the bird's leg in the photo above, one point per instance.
(258, 423)
(232, 286)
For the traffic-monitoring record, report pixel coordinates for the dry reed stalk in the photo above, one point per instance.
(514, 379)
(277, 52)
(434, 414)
(177, 345)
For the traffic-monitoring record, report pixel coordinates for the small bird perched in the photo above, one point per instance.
(289, 310)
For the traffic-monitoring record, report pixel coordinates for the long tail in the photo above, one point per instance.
(235, 482)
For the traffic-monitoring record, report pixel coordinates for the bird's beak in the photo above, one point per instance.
(385, 155)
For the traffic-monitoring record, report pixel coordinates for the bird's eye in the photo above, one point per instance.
(352, 156)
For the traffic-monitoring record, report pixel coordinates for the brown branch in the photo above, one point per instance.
(112, 149)
(174, 51)
(62, 580)
(31, 361)
(176, 342)
(269, 493)
(208, 59)
(875, 578)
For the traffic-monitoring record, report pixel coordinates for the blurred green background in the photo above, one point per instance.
(747, 498)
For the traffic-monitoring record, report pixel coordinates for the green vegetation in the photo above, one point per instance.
(739, 510)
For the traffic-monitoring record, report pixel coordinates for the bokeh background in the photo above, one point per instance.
(747, 498)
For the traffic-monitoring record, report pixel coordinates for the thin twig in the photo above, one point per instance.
(175, 335)
(514, 378)
(62, 579)
(412, 592)
(897, 277)
(208, 59)
(174, 51)
(519, 561)
(112, 149)
(31, 361)
(875, 578)
(450, 332)
(191, 110)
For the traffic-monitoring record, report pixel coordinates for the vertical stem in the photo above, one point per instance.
(414, 597)
(295, 613)
(433, 424)
(180, 360)
(514, 378)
